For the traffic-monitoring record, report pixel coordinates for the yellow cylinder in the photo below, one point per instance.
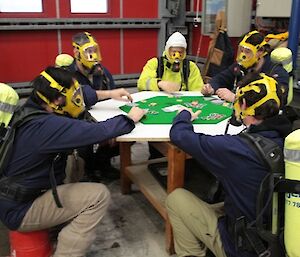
(292, 200)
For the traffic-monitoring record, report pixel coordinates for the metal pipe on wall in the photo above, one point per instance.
(294, 29)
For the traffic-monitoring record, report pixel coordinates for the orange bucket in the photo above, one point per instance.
(30, 244)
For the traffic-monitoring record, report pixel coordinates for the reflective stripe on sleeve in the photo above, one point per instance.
(292, 155)
(6, 107)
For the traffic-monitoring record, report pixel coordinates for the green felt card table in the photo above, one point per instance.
(155, 128)
(162, 109)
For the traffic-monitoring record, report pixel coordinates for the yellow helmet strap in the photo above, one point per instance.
(73, 104)
(242, 59)
(89, 53)
(271, 94)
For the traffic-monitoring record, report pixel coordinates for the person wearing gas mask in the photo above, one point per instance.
(37, 198)
(97, 85)
(252, 56)
(172, 71)
(197, 225)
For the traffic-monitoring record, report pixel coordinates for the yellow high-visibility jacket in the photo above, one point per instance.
(148, 79)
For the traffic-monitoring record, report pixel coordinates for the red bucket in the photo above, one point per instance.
(30, 244)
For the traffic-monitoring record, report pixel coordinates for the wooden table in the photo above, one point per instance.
(158, 135)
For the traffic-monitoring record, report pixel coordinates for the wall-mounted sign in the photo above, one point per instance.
(89, 6)
(21, 6)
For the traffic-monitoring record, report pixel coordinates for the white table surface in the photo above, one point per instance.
(153, 132)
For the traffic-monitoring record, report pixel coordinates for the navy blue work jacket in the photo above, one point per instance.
(233, 74)
(39, 140)
(234, 164)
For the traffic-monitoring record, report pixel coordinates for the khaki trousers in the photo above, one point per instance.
(84, 205)
(195, 224)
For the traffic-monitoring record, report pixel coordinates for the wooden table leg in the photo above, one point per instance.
(125, 160)
(176, 165)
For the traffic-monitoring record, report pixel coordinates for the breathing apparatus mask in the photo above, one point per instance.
(247, 53)
(74, 103)
(269, 83)
(176, 56)
(89, 54)
(175, 50)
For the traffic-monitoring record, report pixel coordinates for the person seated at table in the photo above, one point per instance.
(34, 172)
(172, 71)
(97, 85)
(252, 56)
(169, 73)
(198, 225)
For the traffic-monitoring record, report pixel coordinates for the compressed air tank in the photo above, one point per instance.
(292, 200)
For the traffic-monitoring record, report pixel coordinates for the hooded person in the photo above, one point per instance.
(172, 71)
(252, 56)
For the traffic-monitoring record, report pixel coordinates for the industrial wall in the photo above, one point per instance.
(28, 45)
(131, 32)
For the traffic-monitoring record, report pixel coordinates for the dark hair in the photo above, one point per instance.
(267, 109)
(42, 85)
(81, 38)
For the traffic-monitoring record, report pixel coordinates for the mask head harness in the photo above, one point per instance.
(275, 40)
(73, 105)
(247, 53)
(88, 52)
(270, 85)
(175, 50)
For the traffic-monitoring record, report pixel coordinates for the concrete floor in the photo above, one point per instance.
(131, 227)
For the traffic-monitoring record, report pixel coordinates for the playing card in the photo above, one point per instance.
(132, 104)
(173, 108)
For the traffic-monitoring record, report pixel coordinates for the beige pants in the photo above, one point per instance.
(84, 205)
(194, 224)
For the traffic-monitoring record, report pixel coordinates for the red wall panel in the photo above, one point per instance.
(49, 11)
(109, 42)
(200, 42)
(139, 46)
(24, 54)
(140, 9)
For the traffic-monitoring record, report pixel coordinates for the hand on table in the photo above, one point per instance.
(120, 94)
(207, 90)
(136, 114)
(226, 94)
(168, 86)
(194, 115)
